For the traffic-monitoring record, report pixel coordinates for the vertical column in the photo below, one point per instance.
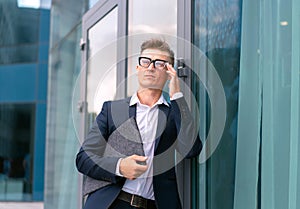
(295, 105)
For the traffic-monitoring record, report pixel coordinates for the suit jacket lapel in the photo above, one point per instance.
(163, 114)
(121, 111)
(132, 111)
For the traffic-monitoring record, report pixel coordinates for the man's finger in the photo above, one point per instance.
(139, 158)
(170, 68)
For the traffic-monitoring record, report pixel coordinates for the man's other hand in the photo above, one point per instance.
(133, 166)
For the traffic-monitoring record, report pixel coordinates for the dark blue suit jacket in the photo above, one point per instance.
(175, 131)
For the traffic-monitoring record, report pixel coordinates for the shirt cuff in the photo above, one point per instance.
(177, 95)
(118, 168)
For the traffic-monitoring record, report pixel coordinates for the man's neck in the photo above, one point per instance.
(149, 96)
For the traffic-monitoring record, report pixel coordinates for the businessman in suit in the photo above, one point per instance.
(143, 176)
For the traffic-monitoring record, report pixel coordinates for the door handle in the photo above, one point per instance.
(182, 69)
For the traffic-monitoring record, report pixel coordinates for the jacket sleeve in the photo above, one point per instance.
(188, 141)
(90, 160)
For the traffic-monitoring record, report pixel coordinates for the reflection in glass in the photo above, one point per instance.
(61, 187)
(30, 4)
(19, 33)
(92, 3)
(102, 60)
(19, 54)
(216, 32)
(145, 20)
(269, 108)
(16, 151)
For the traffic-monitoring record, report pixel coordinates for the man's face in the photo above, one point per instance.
(151, 76)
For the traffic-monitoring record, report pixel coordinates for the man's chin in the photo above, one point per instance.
(152, 87)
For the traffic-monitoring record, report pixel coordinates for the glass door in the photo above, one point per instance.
(101, 62)
(103, 46)
(103, 69)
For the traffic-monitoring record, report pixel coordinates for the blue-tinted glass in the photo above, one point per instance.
(18, 54)
(18, 25)
(216, 32)
(19, 33)
(92, 3)
(16, 153)
(61, 138)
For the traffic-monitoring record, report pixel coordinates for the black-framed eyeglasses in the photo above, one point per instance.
(157, 63)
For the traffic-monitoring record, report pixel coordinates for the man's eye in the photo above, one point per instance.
(160, 64)
(145, 62)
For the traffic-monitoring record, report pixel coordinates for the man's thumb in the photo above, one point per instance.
(139, 158)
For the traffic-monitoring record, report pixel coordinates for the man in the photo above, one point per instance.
(148, 179)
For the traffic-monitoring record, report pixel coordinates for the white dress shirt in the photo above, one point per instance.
(147, 119)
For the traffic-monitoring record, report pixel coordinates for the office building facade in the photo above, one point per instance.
(24, 48)
(238, 61)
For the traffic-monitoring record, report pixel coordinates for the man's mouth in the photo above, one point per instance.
(149, 76)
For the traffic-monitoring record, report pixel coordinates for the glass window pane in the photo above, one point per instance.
(144, 22)
(102, 58)
(92, 3)
(21, 24)
(16, 151)
(19, 33)
(18, 54)
(61, 178)
(270, 84)
(62, 145)
(216, 32)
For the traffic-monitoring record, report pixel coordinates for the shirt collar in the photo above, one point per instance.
(135, 100)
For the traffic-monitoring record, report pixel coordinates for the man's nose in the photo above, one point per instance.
(151, 66)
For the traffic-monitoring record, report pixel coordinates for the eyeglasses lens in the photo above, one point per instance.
(146, 62)
(159, 64)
